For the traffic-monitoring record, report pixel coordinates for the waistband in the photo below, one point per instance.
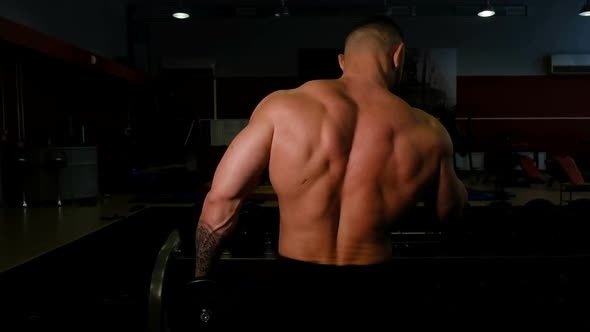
(289, 269)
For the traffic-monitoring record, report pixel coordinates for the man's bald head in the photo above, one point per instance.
(378, 33)
(375, 47)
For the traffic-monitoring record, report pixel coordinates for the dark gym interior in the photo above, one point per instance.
(114, 115)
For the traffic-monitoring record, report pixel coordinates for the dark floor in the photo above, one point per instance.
(498, 267)
(525, 266)
(99, 283)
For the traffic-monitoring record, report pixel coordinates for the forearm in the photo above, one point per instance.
(216, 222)
(208, 248)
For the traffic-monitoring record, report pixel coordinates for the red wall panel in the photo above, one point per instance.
(547, 113)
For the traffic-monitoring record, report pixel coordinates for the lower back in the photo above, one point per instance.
(320, 245)
(351, 229)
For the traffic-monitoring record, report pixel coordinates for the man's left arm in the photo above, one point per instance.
(236, 176)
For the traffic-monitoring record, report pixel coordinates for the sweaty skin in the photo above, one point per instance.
(346, 159)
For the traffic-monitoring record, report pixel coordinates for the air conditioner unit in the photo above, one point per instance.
(570, 64)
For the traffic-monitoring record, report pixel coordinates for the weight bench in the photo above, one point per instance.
(576, 180)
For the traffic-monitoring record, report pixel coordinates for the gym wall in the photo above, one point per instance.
(97, 26)
(541, 113)
(66, 101)
(501, 64)
(500, 46)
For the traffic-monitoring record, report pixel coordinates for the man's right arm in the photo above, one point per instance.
(451, 194)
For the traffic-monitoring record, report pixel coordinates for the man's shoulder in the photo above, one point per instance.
(275, 99)
(433, 126)
(292, 98)
(303, 88)
(320, 87)
(430, 121)
(279, 101)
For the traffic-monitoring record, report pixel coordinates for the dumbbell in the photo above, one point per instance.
(201, 304)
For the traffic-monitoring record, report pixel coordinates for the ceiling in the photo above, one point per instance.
(161, 9)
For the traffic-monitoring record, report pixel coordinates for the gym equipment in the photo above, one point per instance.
(177, 302)
(23, 162)
(57, 162)
(160, 283)
(581, 203)
(201, 307)
(532, 172)
(576, 181)
(539, 204)
(497, 256)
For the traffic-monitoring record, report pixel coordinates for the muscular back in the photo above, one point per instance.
(347, 163)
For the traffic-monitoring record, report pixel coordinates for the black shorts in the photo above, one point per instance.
(294, 273)
(307, 294)
(300, 296)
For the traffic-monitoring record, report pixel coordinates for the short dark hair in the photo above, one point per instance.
(382, 24)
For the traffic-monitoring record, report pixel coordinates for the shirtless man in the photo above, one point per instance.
(346, 157)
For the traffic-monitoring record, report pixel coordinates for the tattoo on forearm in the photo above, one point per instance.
(208, 246)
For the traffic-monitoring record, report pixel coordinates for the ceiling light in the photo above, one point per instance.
(586, 9)
(486, 10)
(181, 15)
